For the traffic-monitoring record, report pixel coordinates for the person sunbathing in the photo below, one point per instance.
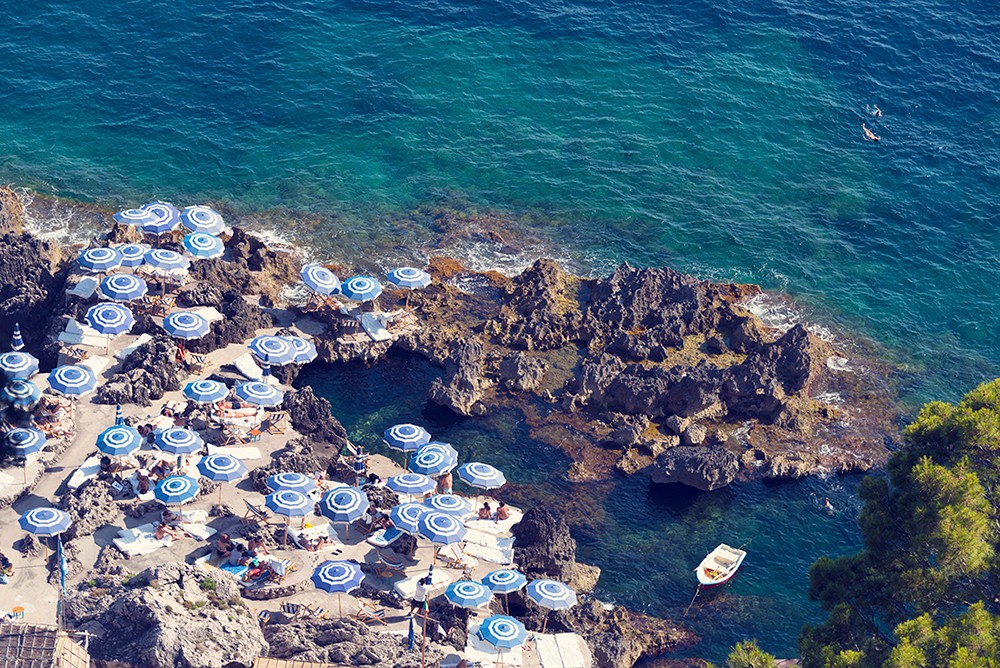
(142, 482)
(503, 512)
(167, 530)
(486, 513)
(256, 543)
(161, 470)
(6, 567)
(168, 516)
(314, 544)
(224, 546)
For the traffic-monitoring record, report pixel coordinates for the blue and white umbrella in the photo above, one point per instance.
(338, 577)
(411, 484)
(123, 287)
(119, 415)
(469, 594)
(110, 318)
(409, 278)
(206, 391)
(202, 219)
(259, 394)
(361, 288)
(297, 482)
(481, 476)
(406, 516)
(16, 342)
(221, 467)
(165, 219)
(433, 461)
(277, 350)
(551, 594)
(451, 504)
(178, 441)
(21, 393)
(165, 260)
(505, 581)
(18, 365)
(406, 437)
(503, 632)
(288, 503)
(119, 440)
(99, 260)
(137, 217)
(441, 528)
(45, 521)
(319, 279)
(25, 441)
(176, 490)
(133, 255)
(72, 380)
(203, 246)
(305, 351)
(186, 325)
(344, 504)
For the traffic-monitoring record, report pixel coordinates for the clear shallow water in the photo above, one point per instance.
(647, 539)
(722, 138)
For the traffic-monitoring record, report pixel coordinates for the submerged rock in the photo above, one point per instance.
(168, 616)
(704, 467)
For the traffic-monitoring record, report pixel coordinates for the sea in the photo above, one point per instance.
(721, 138)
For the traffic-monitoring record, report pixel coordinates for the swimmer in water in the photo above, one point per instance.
(828, 505)
(878, 112)
(869, 135)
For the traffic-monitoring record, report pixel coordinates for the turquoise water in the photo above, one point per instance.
(722, 138)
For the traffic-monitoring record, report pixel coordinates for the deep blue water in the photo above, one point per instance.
(723, 138)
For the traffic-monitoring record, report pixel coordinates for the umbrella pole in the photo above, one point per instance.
(220, 494)
(545, 622)
(506, 602)
(284, 541)
(340, 606)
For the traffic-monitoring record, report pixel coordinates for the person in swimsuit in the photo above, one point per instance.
(869, 135)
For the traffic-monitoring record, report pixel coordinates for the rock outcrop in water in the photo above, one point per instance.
(168, 616)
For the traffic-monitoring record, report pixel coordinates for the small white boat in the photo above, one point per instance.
(720, 565)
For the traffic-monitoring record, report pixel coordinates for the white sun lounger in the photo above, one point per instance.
(561, 650)
(209, 313)
(501, 528)
(494, 555)
(124, 353)
(242, 453)
(85, 288)
(97, 364)
(76, 334)
(374, 329)
(140, 540)
(246, 366)
(87, 472)
(407, 587)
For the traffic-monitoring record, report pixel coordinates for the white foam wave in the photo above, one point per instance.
(777, 311)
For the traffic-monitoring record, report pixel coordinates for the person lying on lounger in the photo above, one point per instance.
(224, 546)
(167, 530)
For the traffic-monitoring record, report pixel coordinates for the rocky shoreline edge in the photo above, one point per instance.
(648, 371)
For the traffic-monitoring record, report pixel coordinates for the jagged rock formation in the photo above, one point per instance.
(11, 212)
(705, 468)
(311, 416)
(146, 375)
(342, 642)
(168, 616)
(240, 321)
(90, 508)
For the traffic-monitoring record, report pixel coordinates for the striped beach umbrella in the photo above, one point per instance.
(221, 467)
(21, 393)
(344, 504)
(119, 440)
(409, 278)
(186, 325)
(202, 219)
(277, 350)
(206, 391)
(133, 255)
(406, 516)
(16, 342)
(176, 490)
(123, 287)
(505, 581)
(165, 219)
(319, 279)
(304, 350)
(289, 503)
(137, 217)
(178, 441)
(503, 632)
(433, 460)
(203, 246)
(72, 380)
(338, 577)
(25, 441)
(441, 528)
(481, 476)
(406, 437)
(163, 259)
(551, 594)
(99, 260)
(361, 288)
(119, 415)
(411, 484)
(45, 521)
(259, 394)
(110, 318)
(297, 482)
(450, 504)
(18, 365)
(469, 594)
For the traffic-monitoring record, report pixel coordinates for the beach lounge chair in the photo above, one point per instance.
(277, 422)
(85, 288)
(75, 354)
(369, 612)
(292, 610)
(196, 363)
(374, 329)
(386, 566)
(314, 611)
(384, 537)
(247, 367)
(255, 515)
(264, 616)
(162, 305)
(279, 570)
